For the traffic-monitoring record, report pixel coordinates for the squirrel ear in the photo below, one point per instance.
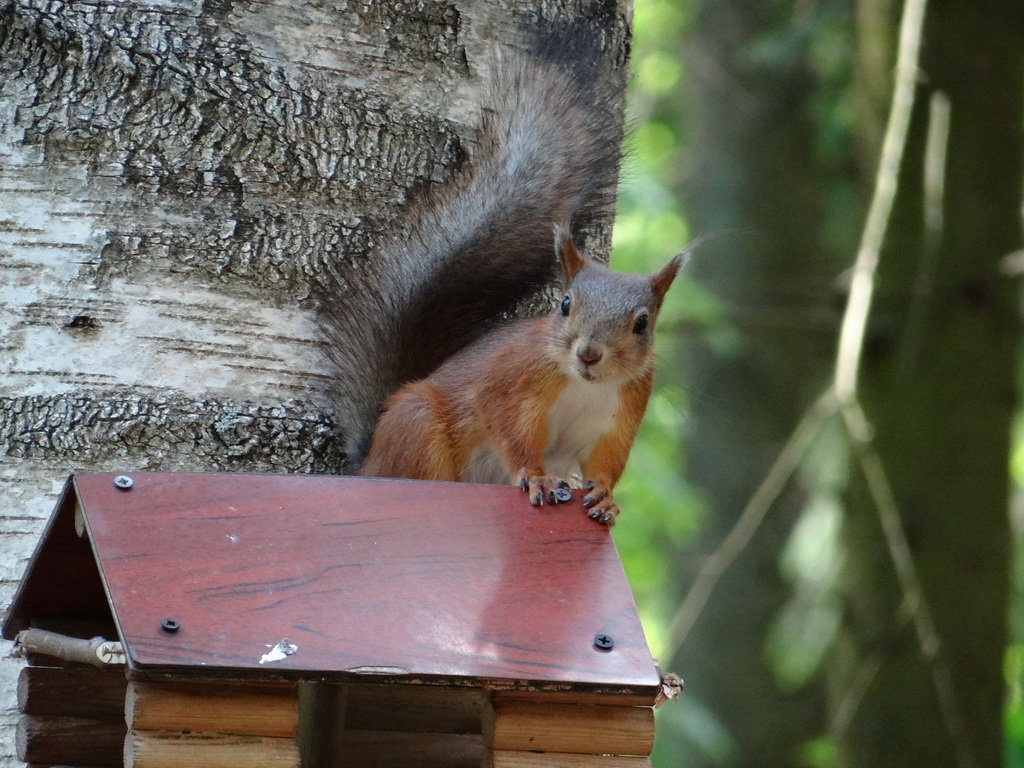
(571, 259)
(662, 280)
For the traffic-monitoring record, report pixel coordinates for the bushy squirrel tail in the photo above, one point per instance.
(468, 251)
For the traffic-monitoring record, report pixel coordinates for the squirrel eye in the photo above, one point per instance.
(565, 306)
(640, 324)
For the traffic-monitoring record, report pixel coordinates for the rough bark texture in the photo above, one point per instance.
(939, 385)
(175, 177)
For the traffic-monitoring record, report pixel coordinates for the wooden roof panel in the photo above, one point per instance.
(441, 581)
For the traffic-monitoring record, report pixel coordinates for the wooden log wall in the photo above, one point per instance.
(410, 726)
(524, 733)
(210, 725)
(511, 759)
(212, 708)
(93, 718)
(71, 716)
(167, 749)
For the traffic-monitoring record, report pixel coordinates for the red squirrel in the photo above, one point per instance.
(539, 400)
(529, 401)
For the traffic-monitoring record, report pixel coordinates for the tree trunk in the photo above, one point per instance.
(759, 189)
(939, 385)
(174, 180)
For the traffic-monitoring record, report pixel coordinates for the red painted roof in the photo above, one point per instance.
(414, 581)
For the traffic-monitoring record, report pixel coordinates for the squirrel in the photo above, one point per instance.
(472, 399)
(540, 399)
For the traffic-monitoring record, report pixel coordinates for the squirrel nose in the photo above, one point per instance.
(589, 355)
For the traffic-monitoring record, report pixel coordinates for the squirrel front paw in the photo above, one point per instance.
(600, 504)
(542, 487)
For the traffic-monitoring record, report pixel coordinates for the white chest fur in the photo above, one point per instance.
(583, 412)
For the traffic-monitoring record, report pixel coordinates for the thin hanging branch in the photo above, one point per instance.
(750, 519)
(862, 284)
(842, 395)
(914, 599)
(851, 339)
(934, 193)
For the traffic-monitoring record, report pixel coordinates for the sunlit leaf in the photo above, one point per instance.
(658, 72)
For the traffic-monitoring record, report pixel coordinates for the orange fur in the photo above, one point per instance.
(497, 389)
(510, 403)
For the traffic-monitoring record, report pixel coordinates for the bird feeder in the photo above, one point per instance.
(227, 620)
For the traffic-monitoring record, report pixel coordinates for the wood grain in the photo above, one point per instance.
(240, 710)
(579, 729)
(78, 692)
(408, 581)
(510, 759)
(552, 696)
(55, 740)
(146, 749)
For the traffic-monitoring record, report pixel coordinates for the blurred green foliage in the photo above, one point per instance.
(1014, 721)
(663, 513)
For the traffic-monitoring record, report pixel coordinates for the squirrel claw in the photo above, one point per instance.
(606, 513)
(596, 496)
(600, 505)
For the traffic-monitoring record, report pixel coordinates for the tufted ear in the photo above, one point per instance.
(662, 279)
(571, 259)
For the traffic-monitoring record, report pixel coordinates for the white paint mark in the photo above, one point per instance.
(280, 651)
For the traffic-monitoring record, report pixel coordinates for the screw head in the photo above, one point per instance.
(123, 482)
(170, 625)
(604, 642)
(562, 495)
